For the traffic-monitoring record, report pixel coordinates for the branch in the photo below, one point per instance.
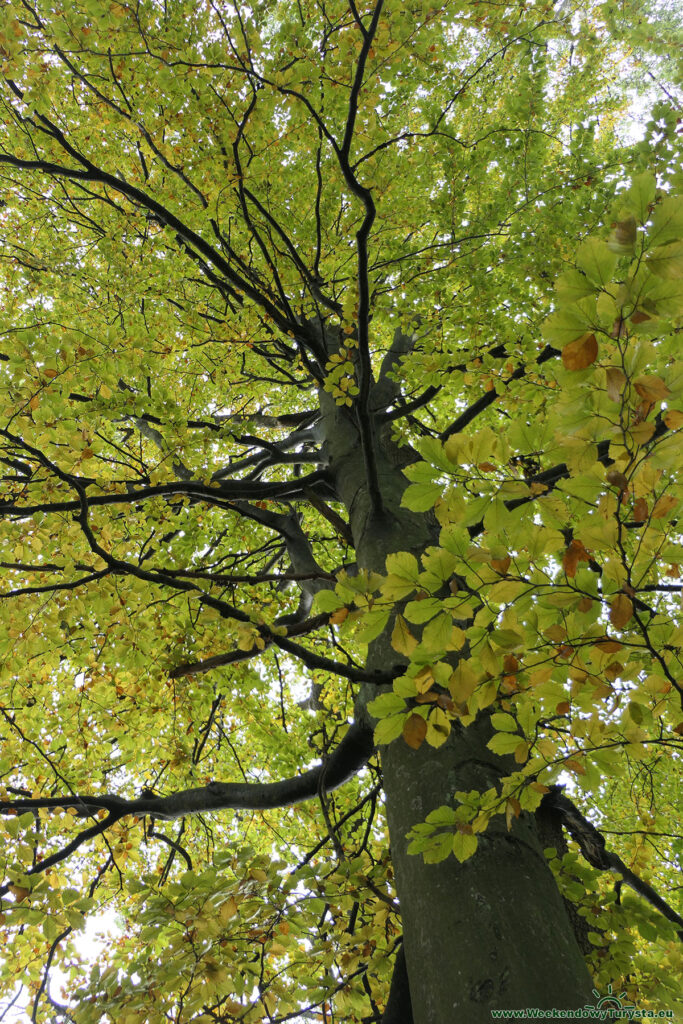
(345, 761)
(140, 198)
(229, 491)
(592, 845)
(490, 397)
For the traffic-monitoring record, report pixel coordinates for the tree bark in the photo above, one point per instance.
(491, 933)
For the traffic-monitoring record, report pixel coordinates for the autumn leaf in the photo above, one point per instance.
(574, 554)
(640, 510)
(616, 378)
(663, 506)
(401, 638)
(621, 610)
(414, 731)
(673, 418)
(581, 353)
(651, 388)
(617, 479)
(623, 237)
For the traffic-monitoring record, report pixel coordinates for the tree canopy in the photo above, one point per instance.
(340, 421)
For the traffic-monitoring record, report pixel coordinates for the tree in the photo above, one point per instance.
(340, 416)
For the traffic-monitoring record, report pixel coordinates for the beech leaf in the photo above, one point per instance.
(581, 353)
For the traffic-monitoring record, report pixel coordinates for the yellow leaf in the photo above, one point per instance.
(402, 640)
(228, 910)
(521, 752)
(462, 683)
(424, 679)
(513, 809)
(642, 432)
(438, 727)
(580, 353)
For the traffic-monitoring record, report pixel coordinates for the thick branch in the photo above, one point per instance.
(592, 845)
(344, 762)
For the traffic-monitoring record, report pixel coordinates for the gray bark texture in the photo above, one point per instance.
(491, 933)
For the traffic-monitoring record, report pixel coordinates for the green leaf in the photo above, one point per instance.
(372, 624)
(422, 611)
(594, 258)
(504, 743)
(328, 601)
(640, 196)
(445, 816)
(440, 849)
(667, 221)
(464, 845)
(388, 729)
(503, 722)
(386, 704)
(421, 497)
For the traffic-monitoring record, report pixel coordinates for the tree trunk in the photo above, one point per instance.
(491, 933)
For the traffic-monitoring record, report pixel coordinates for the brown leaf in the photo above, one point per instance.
(623, 237)
(585, 604)
(20, 892)
(510, 664)
(651, 388)
(616, 379)
(620, 610)
(640, 510)
(501, 565)
(574, 554)
(427, 698)
(582, 352)
(608, 646)
(663, 506)
(336, 618)
(414, 731)
(613, 476)
(673, 418)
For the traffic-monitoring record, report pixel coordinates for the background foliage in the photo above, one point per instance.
(184, 189)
